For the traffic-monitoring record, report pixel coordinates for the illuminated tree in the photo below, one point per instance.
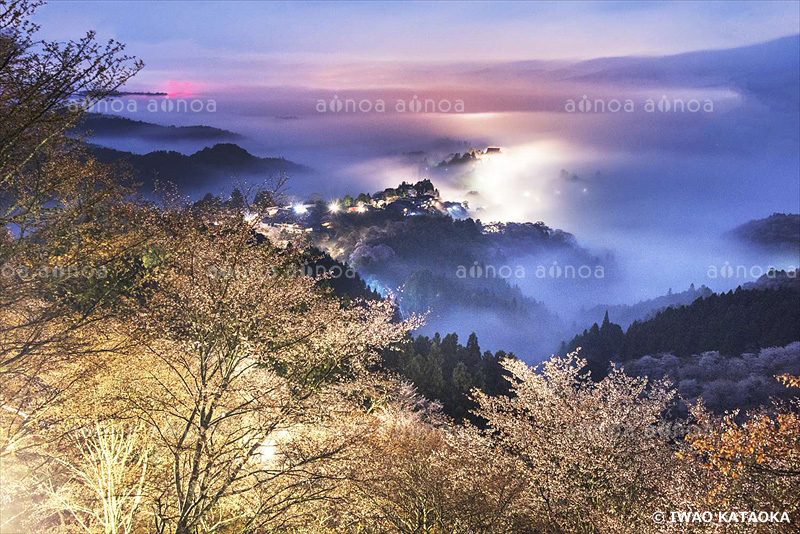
(411, 470)
(68, 269)
(753, 464)
(58, 254)
(235, 353)
(595, 456)
(102, 478)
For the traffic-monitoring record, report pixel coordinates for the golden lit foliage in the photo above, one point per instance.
(755, 463)
(59, 255)
(233, 350)
(409, 469)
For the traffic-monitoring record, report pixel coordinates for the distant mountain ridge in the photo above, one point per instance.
(203, 168)
(775, 279)
(778, 231)
(767, 71)
(626, 314)
(99, 125)
(783, 51)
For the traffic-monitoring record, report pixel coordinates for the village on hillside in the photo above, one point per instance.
(405, 200)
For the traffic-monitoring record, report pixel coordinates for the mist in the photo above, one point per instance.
(648, 191)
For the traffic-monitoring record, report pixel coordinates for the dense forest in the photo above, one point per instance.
(731, 323)
(445, 371)
(722, 347)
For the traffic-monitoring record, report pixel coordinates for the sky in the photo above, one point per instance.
(214, 43)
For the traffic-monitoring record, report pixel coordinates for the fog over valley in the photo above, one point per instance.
(644, 160)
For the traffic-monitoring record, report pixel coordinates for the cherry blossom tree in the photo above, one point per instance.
(594, 455)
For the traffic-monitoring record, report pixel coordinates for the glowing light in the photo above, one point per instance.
(181, 89)
(361, 208)
(334, 207)
(269, 451)
(510, 182)
(300, 209)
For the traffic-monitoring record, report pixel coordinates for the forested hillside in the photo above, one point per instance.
(724, 347)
